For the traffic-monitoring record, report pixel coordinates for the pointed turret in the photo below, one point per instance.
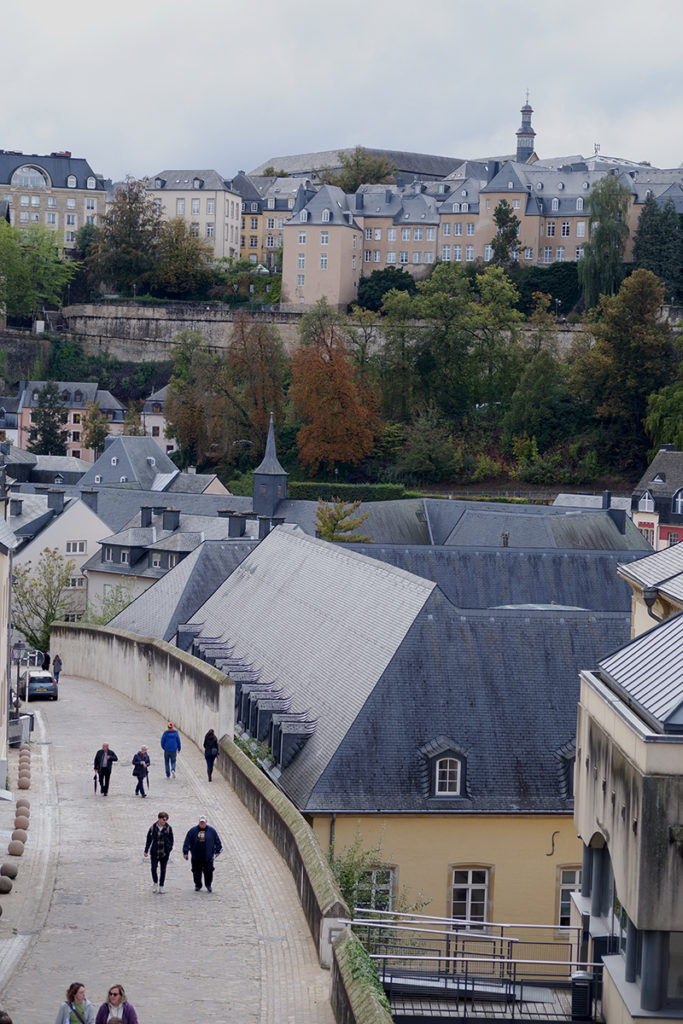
(526, 134)
(270, 479)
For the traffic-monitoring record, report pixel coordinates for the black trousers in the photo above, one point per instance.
(140, 788)
(105, 775)
(162, 864)
(202, 869)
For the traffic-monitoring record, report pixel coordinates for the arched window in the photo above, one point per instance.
(30, 177)
(71, 181)
(326, 215)
(556, 204)
(579, 203)
(303, 216)
(677, 502)
(90, 183)
(448, 771)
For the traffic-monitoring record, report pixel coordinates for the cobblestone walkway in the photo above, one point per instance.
(82, 907)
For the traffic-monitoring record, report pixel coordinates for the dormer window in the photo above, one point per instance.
(326, 215)
(98, 479)
(677, 502)
(123, 479)
(445, 770)
(196, 183)
(510, 185)
(464, 207)
(303, 216)
(271, 203)
(579, 203)
(66, 395)
(71, 181)
(254, 207)
(646, 502)
(456, 207)
(35, 396)
(660, 478)
(78, 396)
(124, 557)
(159, 182)
(447, 776)
(90, 183)
(556, 204)
(114, 460)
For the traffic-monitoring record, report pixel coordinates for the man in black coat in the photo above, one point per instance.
(104, 759)
(203, 845)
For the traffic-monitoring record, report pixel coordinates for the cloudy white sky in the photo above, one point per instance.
(142, 85)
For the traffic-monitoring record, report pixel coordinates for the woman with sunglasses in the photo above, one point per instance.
(116, 1008)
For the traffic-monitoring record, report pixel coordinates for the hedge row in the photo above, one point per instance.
(304, 490)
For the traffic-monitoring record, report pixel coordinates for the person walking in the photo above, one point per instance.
(170, 744)
(158, 848)
(141, 764)
(56, 667)
(104, 759)
(210, 751)
(116, 1007)
(203, 845)
(46, 661)
(76, 1007)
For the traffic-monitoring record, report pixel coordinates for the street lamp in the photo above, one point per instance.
(19, 649)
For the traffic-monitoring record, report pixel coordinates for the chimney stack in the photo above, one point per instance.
(171, 519)
(89, 498)
(55, 500)
(15, 506)
(145, 515)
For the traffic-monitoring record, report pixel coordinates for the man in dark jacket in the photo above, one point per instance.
(158, 846)
(104, 759)
(170, 744)
(203, 844)
(140, 766)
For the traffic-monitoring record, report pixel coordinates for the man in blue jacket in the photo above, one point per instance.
(170, 744)
(203, 844)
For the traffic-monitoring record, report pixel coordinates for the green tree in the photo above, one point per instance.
(32, 272)
(657, 242)
(631, 358)
(95, 428)
(372, 289)
(40, 596)
(443, 364)
(362, 338)
(46, 435)
(359, 167)
(182, 261)
(429, 453)
(101, 610)
(132, 425)
(664, 417)
(336, 522)
(124, 253)
(541, 406)
(505, 241)
(601, 268)
(494, 323)
(397, 355)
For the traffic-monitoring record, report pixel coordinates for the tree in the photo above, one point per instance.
(132, 426)
(182, 261)
(256, 363)
(443, 362)
(397, 355)
(336, 522)
(601, 268)
(125, 249)
(631, 358)
(339, 419)
(429, 453)
(40, 596)
(32, 272)
(657, 242)
(361, 334)
(46, 435)
(372, 289)
(359, 167)
(101, 610)
(505, 240)
(541, 406)
(95, 428)
(494, 322)
(664, 418)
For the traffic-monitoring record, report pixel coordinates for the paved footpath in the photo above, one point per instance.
(82, 907)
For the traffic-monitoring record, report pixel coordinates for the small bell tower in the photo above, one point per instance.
(270, 479)
(526, 134)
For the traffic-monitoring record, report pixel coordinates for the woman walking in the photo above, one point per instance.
(76, 1009)
(210, 751)
(116, 1007)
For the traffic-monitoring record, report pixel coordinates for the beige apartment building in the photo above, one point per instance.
(323, 251)
(59, 191)
(204, 200)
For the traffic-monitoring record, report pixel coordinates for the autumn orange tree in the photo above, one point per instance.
(339, 417)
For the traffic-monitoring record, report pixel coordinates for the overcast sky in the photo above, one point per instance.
(144, 85)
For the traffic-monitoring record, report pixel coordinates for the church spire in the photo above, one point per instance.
(270, 479)
(526, 134)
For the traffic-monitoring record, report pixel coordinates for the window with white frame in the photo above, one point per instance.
(353, 262)
(253, 241)
(456, 207)
(548, 254)
(377, 234)
(446, 229)
(405, 234)
(578, 252)
(323, 261)
(324, 237)
(447, 776)
(430, 234)
(210, 206)
(114, 460)
(579, 203)
(470, 895)
(124, 557)
(672, 538)
(71, 181)
(302, 238)
(457, 229)
(646, 502)
(515, 204)
(270, 223)
(367, 255)
(403, 256)
(194, 229)
(551, 229)
(391, 256)
(300, 280)
(76, 547)
(368, 234)
(417, 257)
(210, 230)
(555, 204)
(376, 889)
(446, 253)
(180, 207)
(457, 253)
(172, 561)
(76, 582)
(391, 234)
(428, 257)
(417, 234)
(109, 554)
(569, 881)
(325, 216)
(195, 206)
(469, 253)
(488, 253)
(559, 254)
(677, 503)
(35, 200)
(470, 227)
(70, 236)
(528, 253)
(354, 242)
(377, 255)
(51, 201)
(301, 261)
(71, 203)
(565, 229)
(156, 560)
(51, 218)
(303, 216)
(580, 229)
(253, 223)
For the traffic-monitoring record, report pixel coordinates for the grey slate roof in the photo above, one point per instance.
(648, 674)
(133, 455)
(270, 464)
(408, 165)
(8, 540)
(663, 570)
(176, 597)
(663, 477)
(57, 167)
(569, 500)
(181, 180)
(75, 395)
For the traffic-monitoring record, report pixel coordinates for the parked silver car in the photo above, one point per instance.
(38, 683)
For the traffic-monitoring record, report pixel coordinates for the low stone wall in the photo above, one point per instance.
(196, 697)
(353, 999)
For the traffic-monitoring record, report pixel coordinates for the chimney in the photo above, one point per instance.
(55, 500)
(387, 195)
(278, 521)
(618, 517)
(492, 169)
(108, 441)
(15, 506)
(606, 499)
(263, 526)
(171, 519)
(145, 515)
(89, 498)
(237, 524)
(359, 200)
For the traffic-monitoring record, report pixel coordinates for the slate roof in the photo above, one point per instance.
(8, 539)
(483, 578)
(133, 455)
(663, 477)
(176, 597)
(648, 675)
(88, 392)
(407, 164)
(181, 180)
(529, 526)
(57, 167)
(270, 465)
(663, 570)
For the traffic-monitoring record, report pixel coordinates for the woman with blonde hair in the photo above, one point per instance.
(116, 1008)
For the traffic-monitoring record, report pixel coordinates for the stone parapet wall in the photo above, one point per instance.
(353, 999)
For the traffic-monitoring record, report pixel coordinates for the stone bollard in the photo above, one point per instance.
(23, 802)
(24, 783)
(10, 870)
(21, 821)
(5, 884)
(15, 848)
(20, 834)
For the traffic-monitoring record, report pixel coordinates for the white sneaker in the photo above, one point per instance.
(155, 887)
(173, 772)
(161, 889)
